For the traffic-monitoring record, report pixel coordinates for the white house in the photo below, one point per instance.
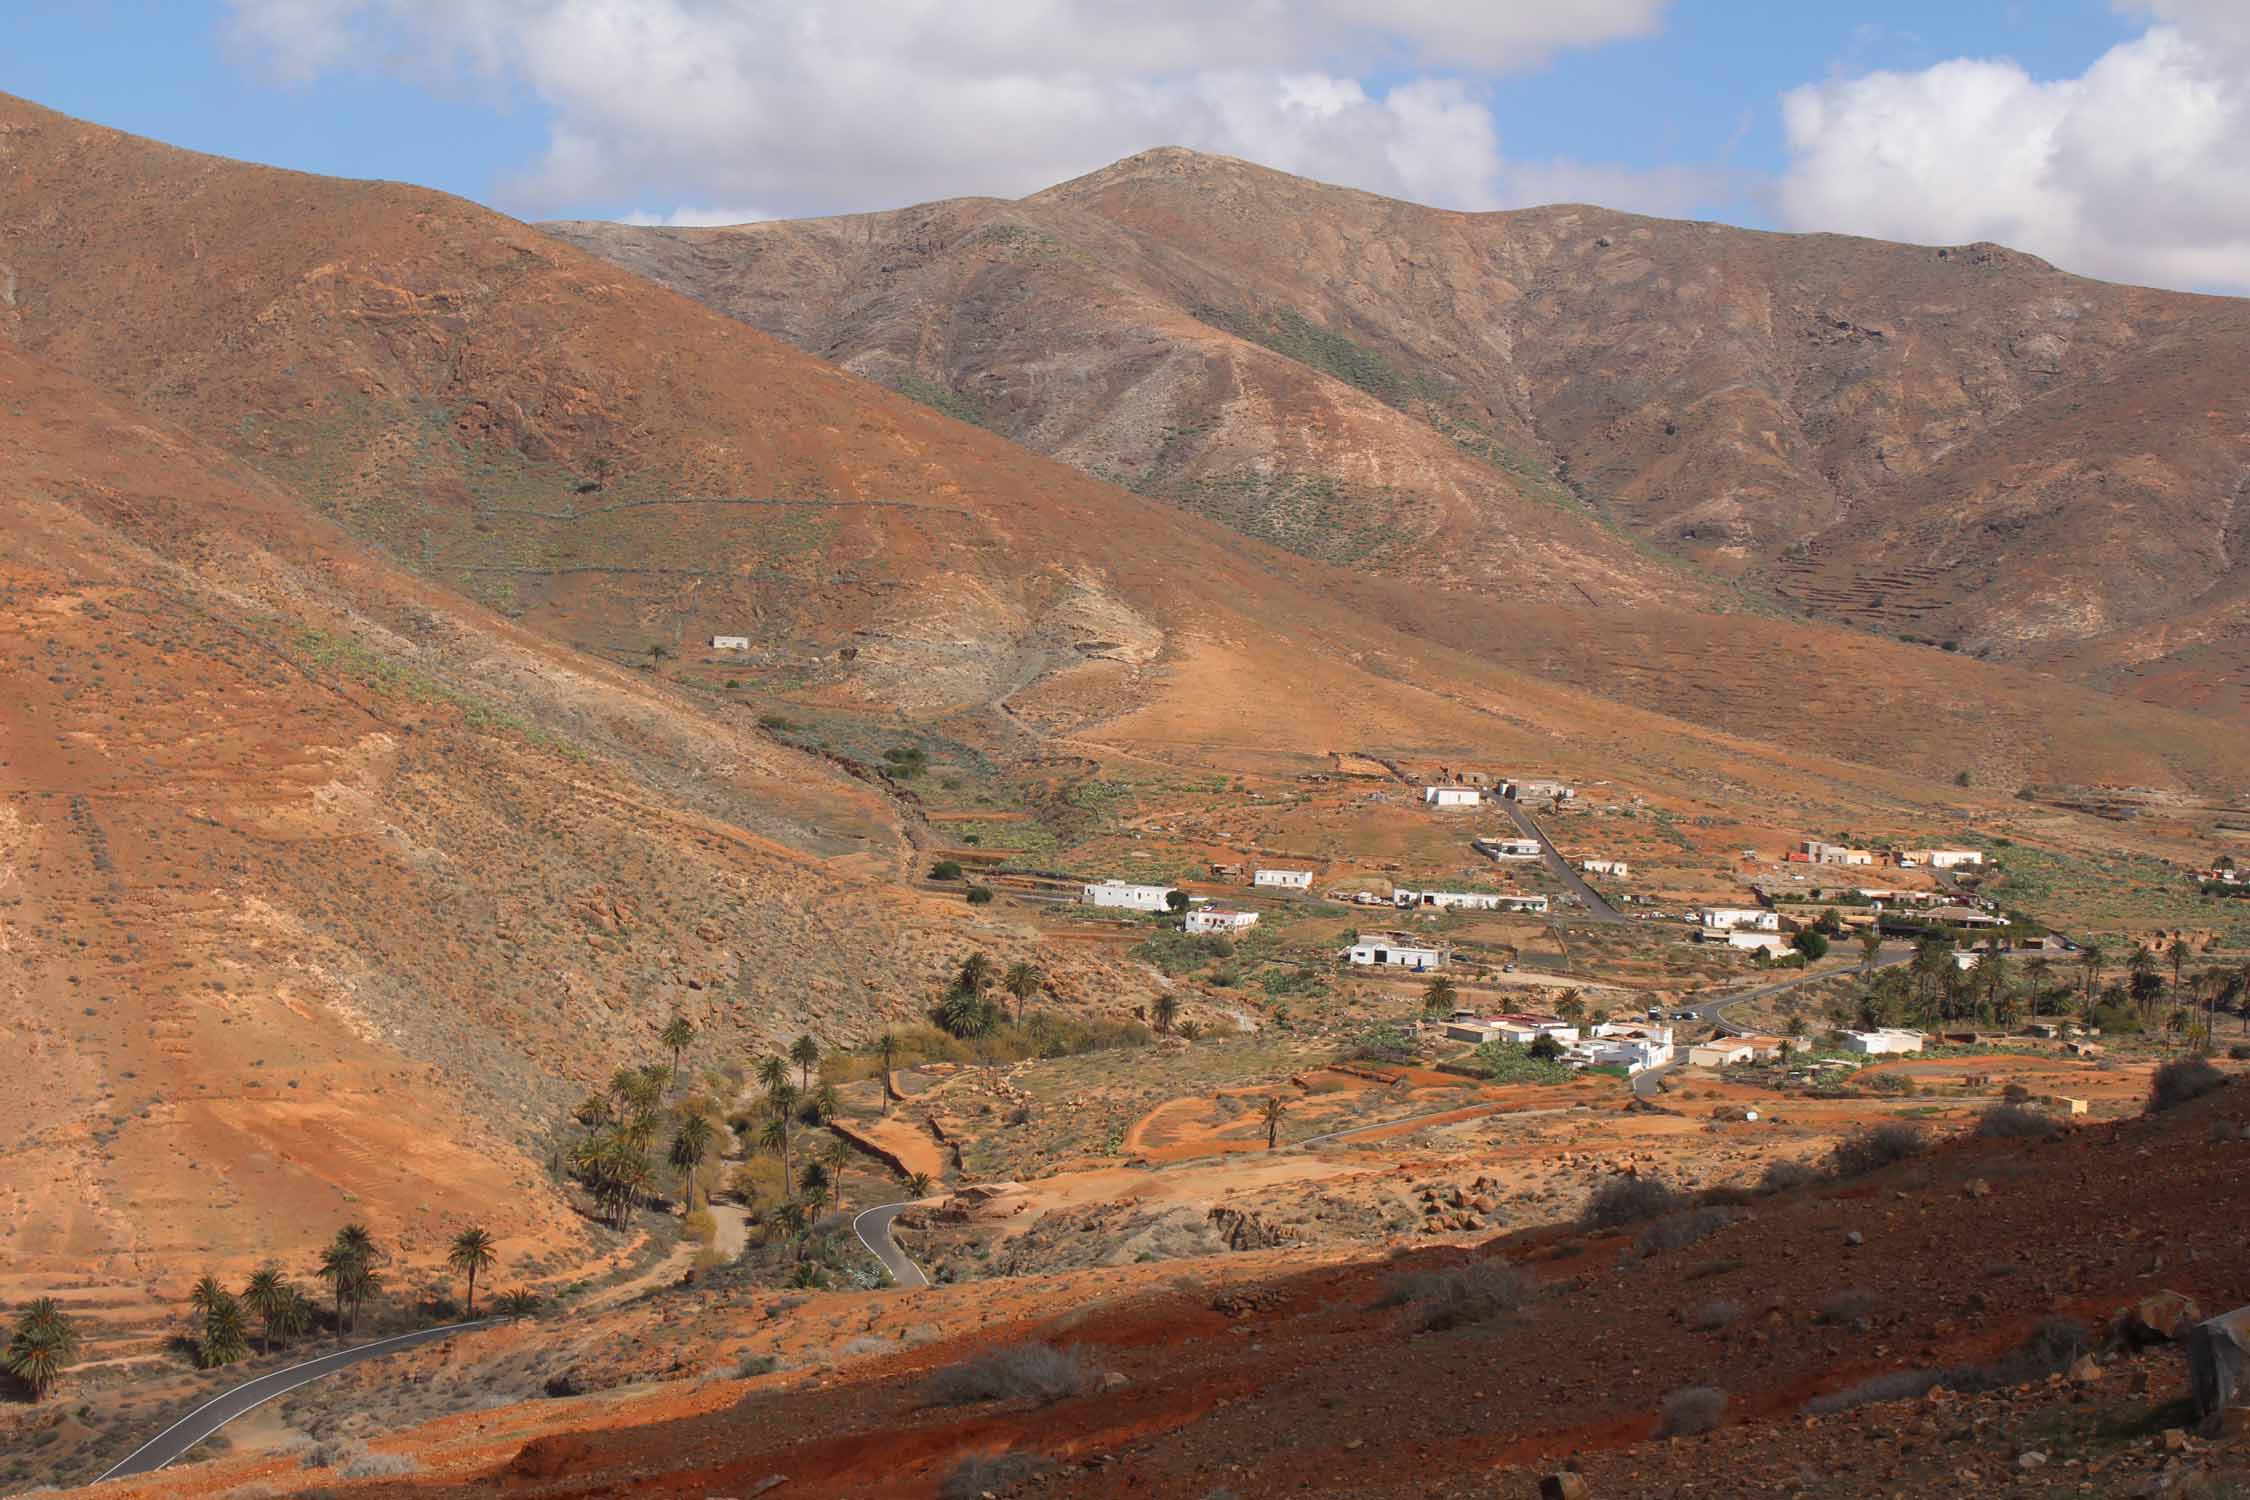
(1615, 869)
(1125, 897)
(1966, 958)
(1727, 918)
(1452, 796)
(1535, 788)
(1220, 919)
(1523, 903)
(1772, 944)
(1450, 900)
(1283, 880)
(730, 643)
(1633, 1054)
(1887, 1040)
(1835, 854)
(1401, 950)
(1723, 1053)
(1507, 848)
(1529, 1028)
(1942, 859)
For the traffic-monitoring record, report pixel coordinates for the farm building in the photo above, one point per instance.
(1537, 789)
(1121, 896)
(730, 643)
(1772, 944)
(1507, 848)
(1615, 869)
(1887, 1040)
(1535, 905)
(1220, 919)
(1452, 796)
(1401, 950)
(1942, 859)
(1283, 880)
(1963, 916)
(1728, 918)
(1723, 1053)
(1834, 854)
(1449, 900)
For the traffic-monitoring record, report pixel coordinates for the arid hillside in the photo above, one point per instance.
(1949, 444)
(324, 892)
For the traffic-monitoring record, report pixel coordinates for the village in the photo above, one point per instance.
(1789, 910)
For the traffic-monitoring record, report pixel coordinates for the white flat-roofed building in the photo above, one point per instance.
(1283, 880)
(1396, 950)
(730, 643)
(1615, 869)
(1507, 848)
(1449, 900)
(1220, 919)
(1887, 1040)
(1452, 796)
(1121, 896)
(1728, 918)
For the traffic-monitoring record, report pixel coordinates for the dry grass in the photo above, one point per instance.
(1038, 1372)
(1688, 1412)
(1458, 1296)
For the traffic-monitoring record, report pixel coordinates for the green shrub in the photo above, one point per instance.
(980, 895)
(2180, 1080)
(946, 869)
(1512, 1062)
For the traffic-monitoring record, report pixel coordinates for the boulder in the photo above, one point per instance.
(2158, 1317)
(2218, 1355)
(1566, 1485)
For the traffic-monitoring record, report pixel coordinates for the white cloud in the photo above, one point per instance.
(687, 216)
(2138, 169)
(811, 107)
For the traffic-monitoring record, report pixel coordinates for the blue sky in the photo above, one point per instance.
(713, 109)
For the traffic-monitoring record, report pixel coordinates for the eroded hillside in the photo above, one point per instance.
(1951, 444)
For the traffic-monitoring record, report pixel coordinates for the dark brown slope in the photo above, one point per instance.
(1957, 444)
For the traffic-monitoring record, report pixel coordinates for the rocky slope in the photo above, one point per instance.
(1953, 444)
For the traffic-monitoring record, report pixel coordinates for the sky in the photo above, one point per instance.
(2109, 136)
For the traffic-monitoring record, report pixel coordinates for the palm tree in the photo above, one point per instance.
(596, 1110)
(918, 1184)
(2179, 953)
(2039, 977)
(773, 1072)
(792, 1220)
(977, 973)
(826, 1102)
(677, 1033)
(965, 1012)
(1870, 946)
(812, 1180)
(205, 1294)
(337, 1267)
(804, 1052)
(1572, 1007)
(1022, 981)
(775, 1138)
(1164, 1013)
(42, 1346)
(691, 1143)
(518, 1302)
(294, 1316)
(2090, 959)
(225, 1337)
(886, 1047)
(658, 652)
(1271, 1114)
(837, 1155)
(471, 1254)
(267, 1294)
(1439, 996)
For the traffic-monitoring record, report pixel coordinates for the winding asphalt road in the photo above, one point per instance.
(223, 1408)
(1646, 1081)
(1597, 909)
(883, 1246)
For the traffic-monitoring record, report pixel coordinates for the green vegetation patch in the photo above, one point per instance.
(959, 405)
(1511, 1062)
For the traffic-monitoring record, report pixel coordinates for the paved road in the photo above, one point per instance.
(873, 1227)
(223, 1408)
(1647, 1082)
(1597, 910)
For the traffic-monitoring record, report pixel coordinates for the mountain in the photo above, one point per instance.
(372, 786)
(1956, 445)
